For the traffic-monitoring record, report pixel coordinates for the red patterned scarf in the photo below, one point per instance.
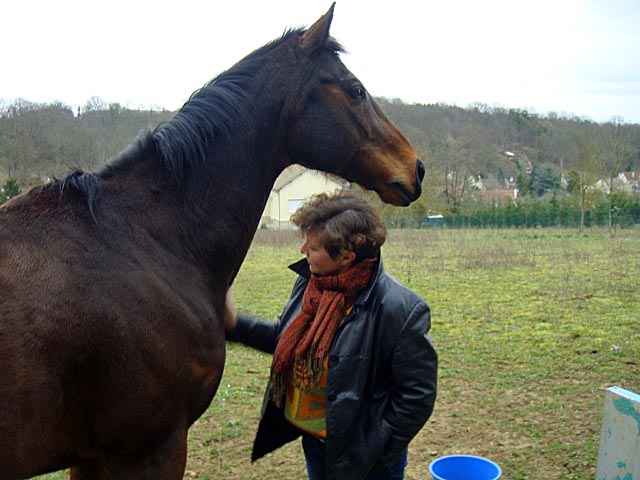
(306, 341)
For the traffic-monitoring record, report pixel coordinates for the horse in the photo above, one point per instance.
(112, 284)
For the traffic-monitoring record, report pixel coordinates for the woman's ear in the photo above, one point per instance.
(348, 258)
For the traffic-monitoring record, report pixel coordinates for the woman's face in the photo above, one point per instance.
(320, 262)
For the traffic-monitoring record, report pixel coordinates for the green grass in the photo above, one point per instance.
(531, 327)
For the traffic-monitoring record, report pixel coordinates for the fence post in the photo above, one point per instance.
(619, 452)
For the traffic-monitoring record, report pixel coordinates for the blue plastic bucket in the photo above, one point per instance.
(464, 467)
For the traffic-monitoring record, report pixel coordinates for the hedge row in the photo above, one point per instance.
(537, 213)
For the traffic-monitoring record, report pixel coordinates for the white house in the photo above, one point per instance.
(292, 188)
(630, 181)
(626, 181)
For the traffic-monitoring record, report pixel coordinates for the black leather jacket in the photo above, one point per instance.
(381, 385)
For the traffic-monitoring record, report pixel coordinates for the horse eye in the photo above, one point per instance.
(356, 92)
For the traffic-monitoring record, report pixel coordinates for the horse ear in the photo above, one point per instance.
(315, 38)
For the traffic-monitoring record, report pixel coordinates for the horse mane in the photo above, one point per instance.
(75, 183)
(213, 112)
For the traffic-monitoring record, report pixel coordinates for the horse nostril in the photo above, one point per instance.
(420, 171)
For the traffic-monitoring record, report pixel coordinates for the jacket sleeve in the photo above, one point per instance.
(264, 334)
(414, 364)
(255, 333)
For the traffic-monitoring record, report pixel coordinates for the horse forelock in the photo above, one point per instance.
(335, 46)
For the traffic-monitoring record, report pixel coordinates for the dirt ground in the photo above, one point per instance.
(458, 426)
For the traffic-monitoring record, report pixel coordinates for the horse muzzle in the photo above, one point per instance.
(406, 194)
(420, 173)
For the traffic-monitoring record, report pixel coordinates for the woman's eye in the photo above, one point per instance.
(356, 92)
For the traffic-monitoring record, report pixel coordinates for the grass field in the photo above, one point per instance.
(531, 327)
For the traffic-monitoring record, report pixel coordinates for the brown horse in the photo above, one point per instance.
(112, 284)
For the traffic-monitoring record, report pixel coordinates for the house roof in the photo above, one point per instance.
(498, 195)
(292, 172)
(288, 175)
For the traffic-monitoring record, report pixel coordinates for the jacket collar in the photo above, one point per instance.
(301, 267)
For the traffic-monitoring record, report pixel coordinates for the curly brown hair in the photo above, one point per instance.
(345, 223)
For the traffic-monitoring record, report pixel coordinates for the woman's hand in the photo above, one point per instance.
(230, 319)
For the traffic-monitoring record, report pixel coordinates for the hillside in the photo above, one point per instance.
(478, 137)
(458, 145)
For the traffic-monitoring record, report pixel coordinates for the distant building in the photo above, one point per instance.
(436, 220)
(498, 197)
(510, 179)
(630, 181)
(292, 188)
(625, 181)
(477, 182)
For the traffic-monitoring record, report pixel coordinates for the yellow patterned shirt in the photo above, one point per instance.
(307, 410)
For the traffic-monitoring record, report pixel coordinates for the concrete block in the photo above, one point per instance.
(619, 452)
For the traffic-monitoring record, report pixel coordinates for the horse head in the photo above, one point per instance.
(337, 127)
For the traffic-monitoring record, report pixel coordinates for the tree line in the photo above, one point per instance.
(39, 141)
(532, 213)
(465, 150)
(554, 162)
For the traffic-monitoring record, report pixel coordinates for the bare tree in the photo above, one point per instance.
(585, 174)
(456, 173)
(616, 155)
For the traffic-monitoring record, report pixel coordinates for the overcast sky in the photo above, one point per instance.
(572, 57)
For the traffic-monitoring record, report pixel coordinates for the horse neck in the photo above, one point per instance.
(222, 153)
(231, 193)
(234, 188)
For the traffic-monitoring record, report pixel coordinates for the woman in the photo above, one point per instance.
(353, 370)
